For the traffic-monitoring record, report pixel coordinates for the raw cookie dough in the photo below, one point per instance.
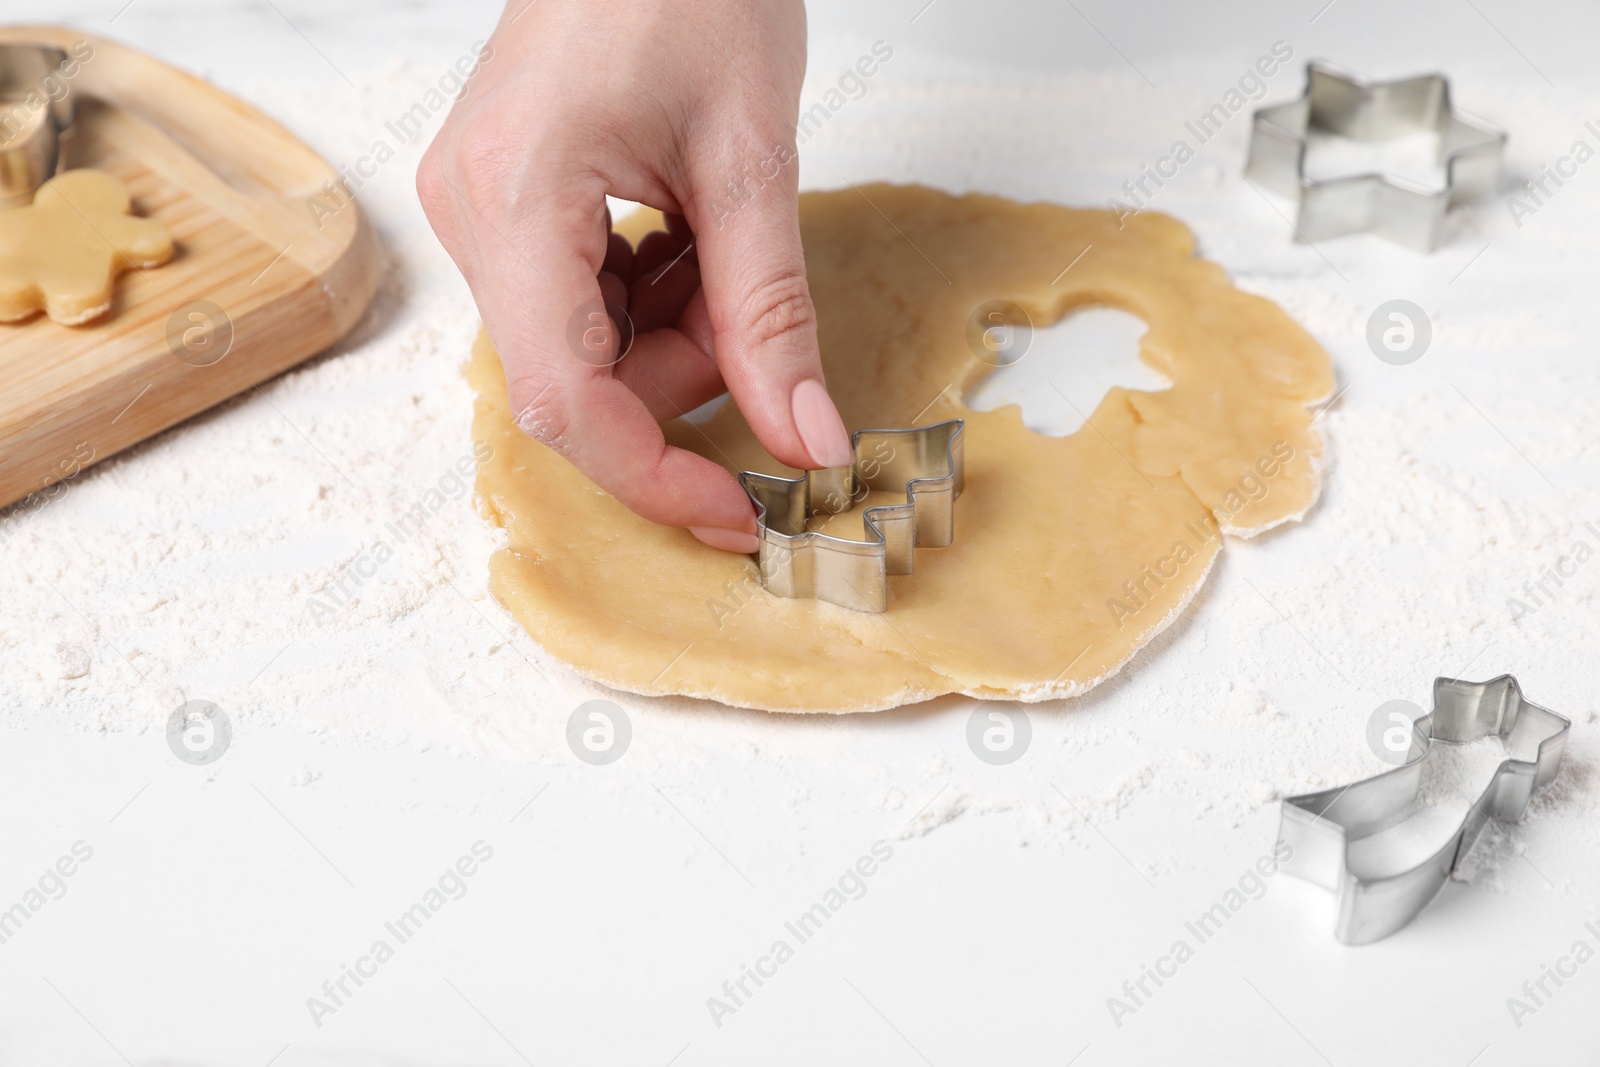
(1071, 552)
(62, 253)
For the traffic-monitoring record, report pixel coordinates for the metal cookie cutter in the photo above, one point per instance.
(1321, 826)
(925, 463)
(1405, 212)
(31, 124)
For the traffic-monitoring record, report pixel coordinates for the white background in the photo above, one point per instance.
(1018, 898)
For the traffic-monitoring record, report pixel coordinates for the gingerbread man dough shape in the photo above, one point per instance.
(62, 253)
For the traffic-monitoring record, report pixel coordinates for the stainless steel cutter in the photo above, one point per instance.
(1320, 827)
(31, 124)
(1340, 104)
(925, 463)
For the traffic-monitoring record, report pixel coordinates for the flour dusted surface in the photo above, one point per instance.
(223, 560)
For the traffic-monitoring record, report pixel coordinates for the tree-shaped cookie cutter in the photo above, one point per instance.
(31, 123)
(1340, 104)
(1320, 827)
(925, 463)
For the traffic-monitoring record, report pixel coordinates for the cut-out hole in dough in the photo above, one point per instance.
(1068, 368)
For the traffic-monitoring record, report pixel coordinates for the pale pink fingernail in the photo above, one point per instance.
(821, 429)
(725, 539)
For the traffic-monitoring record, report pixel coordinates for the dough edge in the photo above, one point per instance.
(911, 694)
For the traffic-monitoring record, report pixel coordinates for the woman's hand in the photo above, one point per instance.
(687, 106)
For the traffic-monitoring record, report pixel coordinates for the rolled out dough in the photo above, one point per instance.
(1071, 552)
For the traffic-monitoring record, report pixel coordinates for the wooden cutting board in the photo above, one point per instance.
(258, 273)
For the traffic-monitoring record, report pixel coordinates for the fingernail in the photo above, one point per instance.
(821, 429)
(725, 539)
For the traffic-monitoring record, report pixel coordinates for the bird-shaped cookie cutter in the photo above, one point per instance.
(32, 119)
(1320, 827)
(1337, 103)
(925, 463)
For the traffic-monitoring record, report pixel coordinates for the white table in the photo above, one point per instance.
(371, 755)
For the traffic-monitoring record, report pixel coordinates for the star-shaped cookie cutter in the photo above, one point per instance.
(30, 136)
(1406, 212)
(1320, 827)
(925, 463)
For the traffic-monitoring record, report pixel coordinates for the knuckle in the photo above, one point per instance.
(483, 162)
(780, 308)
(524, 179)
(541, 413)
(432, 188)
(637, 487)
(477, 154)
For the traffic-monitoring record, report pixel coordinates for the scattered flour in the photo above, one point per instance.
(184, 568)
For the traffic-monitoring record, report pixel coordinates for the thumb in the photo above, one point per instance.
(764, 325)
